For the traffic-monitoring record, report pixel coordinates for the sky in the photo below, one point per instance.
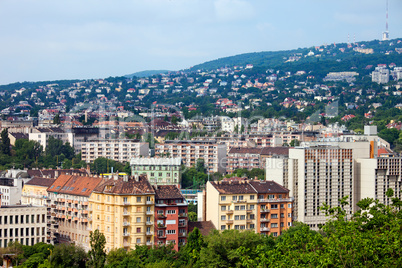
(44, 40)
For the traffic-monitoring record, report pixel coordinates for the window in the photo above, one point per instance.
(282, 224)
(282, 215)
(252, 197)
(237, 207)
(274, 216)
(242, 227)
(170, 231)
(223, 227)
(234, 198)
(289, 205)
(242, 217)
(138, 240)
(243, 207)
(223, 218)
(274, 225)
(271, 196)
(241, 198)
(223, 198)
(275, 234)
(275, 206)
(236, 217)
(252, 226)
(139, 230)
(289, 215)
(237, 227)
(252, 207)
(138, 199)
(223, 208)
(171, 211)
(282, 206)
(138, 219)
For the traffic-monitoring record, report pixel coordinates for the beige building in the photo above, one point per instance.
(42, 135)
(214, 154)
(123, 210)
(34, 191)
(262, 206)
(69, 212)
(23, 223)
(121, 150)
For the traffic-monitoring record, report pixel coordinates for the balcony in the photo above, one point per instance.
(125, 203)
(126, 244)
(160, 226)
(264, 229)
(249, 211)
(182, 215)
(182, 234)
(126, 213)
(182, 224)
(161, 236)
(126, 234)
(161, 216)
(150, 202)
(275, 200)
(149, 233)
(149, 213)
(149, 243)
(126, 223)
(264, 220)
(149, 223)
(229, 221)
(229, 212)
(265, 210)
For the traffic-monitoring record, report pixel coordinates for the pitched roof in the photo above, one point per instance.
(18, 135)
(248, 187)
(260, 151)
(268, 187)
(74, 185)
(53, 173)
(205, 227)
(167, 192)
(39, 181)
(125, 187)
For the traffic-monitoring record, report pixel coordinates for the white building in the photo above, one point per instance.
(380, 75)
(42, 135)
(11, 190)
(121, 150)
(25, 224)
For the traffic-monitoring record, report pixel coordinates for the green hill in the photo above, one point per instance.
(147, 73)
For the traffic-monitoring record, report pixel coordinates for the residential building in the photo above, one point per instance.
(34, 191)
(158, 170)
(214, 154)
(322, 172)
(249, 158)
(11, 190)
(380, 75)
(262, 206)
(122, 208)
(171, 225)
(69, 212)
(121, 150)
(23, 223)
(41, 135)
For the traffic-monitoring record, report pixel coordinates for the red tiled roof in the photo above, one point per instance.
(248, 187)
(74, 185)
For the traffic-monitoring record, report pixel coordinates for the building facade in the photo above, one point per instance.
(158, 170)
(23, 223)
(122, 209)
(121, 150)
(171, 224)
(35, 191)
(214, 154)
(68, 210)
(262, 206)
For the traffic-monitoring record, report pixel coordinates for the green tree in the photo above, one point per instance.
(5, 142)
(56, 119)
(54, 147)
(97, 254)
(294, 143)
(68, 255)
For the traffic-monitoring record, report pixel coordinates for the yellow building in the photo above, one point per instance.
(123, 210)
(34, 191)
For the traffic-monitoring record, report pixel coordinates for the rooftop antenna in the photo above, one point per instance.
(385, 35)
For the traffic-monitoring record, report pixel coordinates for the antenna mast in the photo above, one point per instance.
(385, 35)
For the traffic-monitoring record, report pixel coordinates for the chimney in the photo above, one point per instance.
(56, 174)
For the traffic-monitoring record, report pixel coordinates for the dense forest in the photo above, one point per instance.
(371, 238)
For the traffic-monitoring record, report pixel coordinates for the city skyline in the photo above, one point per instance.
(46, 40)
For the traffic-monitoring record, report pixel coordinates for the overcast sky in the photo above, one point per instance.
(80, 39)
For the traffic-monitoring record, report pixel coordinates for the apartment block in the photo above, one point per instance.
(380, 75)
(214, 154)
(262, 206)
(171, 225)
(69, 211)
(249, 158)
(122, 208)
(23, 223)
(158, 170)
(11, 189)
(35, 192)
(320, 173)
(121, 150)
(42, 135)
